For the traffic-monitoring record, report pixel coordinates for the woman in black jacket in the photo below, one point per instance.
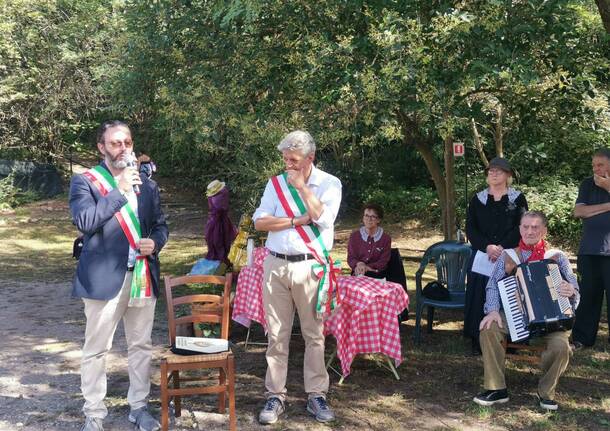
(492, 224)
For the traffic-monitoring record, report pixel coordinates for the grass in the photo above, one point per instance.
(437, 378)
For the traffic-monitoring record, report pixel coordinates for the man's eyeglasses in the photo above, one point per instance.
(371, 217)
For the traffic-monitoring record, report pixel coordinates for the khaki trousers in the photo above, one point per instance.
(554, 360)
(102, 320)
(286, 286)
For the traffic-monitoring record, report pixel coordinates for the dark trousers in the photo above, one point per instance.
(594, 272)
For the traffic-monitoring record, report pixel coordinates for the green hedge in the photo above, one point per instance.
(401, 204)
(555, 197)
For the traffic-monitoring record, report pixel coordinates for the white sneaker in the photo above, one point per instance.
(92, 424)
(318, 407)
(143, 420)
(274, 407)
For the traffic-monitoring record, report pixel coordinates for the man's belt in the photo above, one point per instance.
(292, 257)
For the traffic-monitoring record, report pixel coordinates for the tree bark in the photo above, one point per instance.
(477, 142)
(449, 221)
(499, 133)
(433, 167)
(441, 183)
(604, 11)
(424, 147)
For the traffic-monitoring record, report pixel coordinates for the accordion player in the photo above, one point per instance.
(531, 302)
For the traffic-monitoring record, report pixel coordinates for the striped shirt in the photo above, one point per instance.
(492, 294)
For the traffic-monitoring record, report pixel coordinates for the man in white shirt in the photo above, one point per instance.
(289, 282)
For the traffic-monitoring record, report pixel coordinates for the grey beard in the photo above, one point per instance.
(124, 161)
(119, 164)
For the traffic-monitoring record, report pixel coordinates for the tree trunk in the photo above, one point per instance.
(499, 134)
(433, 167)
(477, 142)
(445, 186)
(604, 12)
(449, 221)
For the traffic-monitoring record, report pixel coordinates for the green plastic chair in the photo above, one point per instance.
(451, 260)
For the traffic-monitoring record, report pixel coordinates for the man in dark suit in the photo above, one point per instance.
(119, 213)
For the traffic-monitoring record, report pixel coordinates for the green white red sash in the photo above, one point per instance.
(326, 269)
(141, 283)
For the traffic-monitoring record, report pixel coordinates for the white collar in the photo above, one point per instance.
(365, 234)
(314, 177)
(512, 195)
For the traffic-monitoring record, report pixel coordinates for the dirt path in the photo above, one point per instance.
(43, 331)
(39, 389)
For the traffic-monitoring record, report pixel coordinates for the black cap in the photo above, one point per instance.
(500, 162)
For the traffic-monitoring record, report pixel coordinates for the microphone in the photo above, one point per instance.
(132, 162)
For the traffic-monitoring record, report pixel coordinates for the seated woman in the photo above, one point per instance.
(368, 249)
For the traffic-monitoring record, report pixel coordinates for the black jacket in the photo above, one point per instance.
(494, 222)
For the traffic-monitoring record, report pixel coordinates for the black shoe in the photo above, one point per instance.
(576, 345)
(547, 404)
(489, 398)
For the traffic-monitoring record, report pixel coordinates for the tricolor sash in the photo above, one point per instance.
(325, 269)
(141, 283)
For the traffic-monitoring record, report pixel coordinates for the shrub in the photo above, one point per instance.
(8, 192)
(12, 196)
(418, 202)
(555, 197)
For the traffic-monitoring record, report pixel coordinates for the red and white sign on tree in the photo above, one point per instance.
(458, 149)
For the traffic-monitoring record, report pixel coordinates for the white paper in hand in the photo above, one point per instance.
(482, 264)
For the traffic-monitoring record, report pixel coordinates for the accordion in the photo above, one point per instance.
(531, 301)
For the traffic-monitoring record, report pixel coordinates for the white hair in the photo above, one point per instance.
(299, 140)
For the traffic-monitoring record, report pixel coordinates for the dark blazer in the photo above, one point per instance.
(103, 262)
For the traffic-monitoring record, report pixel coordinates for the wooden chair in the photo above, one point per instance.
(523, 352)
(209, 309)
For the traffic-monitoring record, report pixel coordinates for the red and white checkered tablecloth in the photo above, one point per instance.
(367, 319)
(248, 302)
(365, 322)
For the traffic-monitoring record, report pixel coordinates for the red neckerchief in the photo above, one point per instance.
(536, 249)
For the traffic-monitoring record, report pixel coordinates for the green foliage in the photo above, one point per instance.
(55, 57)
(12, 196)
(555, 197)
(8, 193)
(214, 85)
(211, 87)
(399, 204)
(211, 330)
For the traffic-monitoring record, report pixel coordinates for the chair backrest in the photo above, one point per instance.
(396, 270)
(198, 308)
(451, 259)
